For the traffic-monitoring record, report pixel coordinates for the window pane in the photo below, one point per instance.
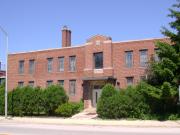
(20, 84)
(61, 63)
(31, 66)
(129, 59)
(50, 62)
(31, 83)
(72, 63)
(49, 82)
(98, 60)
(72, 87)
(129, 81)
(143, 58)
(21, 66)
(156, 57)
(61, 82)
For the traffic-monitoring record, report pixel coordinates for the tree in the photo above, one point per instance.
(168, 68)
(165, 74)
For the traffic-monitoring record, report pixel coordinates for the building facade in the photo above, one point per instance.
(2, 74)
(83, 70)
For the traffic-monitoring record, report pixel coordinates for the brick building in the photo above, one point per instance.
(2, 74)
(83, 70)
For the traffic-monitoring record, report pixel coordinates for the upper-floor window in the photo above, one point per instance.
(72, 87)
(31, 83)
(72, 63)
(143, 57)
(21, 66)
(61, 82)
(49, 64)
(98, 60)
(129, 59)
(20, 84)
(129, 81)
(31, 66)
(156, 57)
(49, 82)
(61, 63)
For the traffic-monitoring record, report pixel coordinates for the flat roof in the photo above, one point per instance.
(52, 49)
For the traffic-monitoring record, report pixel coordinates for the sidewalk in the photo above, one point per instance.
(95, 122)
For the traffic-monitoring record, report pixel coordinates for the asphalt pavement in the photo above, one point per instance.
(18, 128)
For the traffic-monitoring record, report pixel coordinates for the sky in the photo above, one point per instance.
(36, 24)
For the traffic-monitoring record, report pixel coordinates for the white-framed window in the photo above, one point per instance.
(31, 83)
(156, 57)
(61, 63)
(61, 82)
(143, 57)
(49, 64)
(20, 84)
(72, 87)
(129, 58)
(21, 66)
(49, 82)
(72, 63)
(129, 81)
(31, 66)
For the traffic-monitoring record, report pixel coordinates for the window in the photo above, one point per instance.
(98, 60)
(49, 66)
(20, 84)
(156, 57)
(31, 83)
(143, 58)
(21, 66)
(49, 82)
(72, 87)
(142, 78)
(129, 61)
(61, 63)
(61, 82)
(72, 63)
(129, 81)
(31, 66)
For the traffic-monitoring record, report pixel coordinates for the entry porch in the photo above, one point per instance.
(92, 88)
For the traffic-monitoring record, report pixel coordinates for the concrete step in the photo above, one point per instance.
(89, 113)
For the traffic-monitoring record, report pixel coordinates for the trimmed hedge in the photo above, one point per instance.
(28, 101)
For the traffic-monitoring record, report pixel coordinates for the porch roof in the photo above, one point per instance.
(98, 78)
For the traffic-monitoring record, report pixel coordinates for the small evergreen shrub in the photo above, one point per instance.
(53, 96)
(69, 109)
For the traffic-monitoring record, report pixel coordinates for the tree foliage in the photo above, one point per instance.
(168, 68)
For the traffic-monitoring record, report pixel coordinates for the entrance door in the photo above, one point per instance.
(95, 96)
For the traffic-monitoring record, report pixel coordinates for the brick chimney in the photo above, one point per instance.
(66, 37)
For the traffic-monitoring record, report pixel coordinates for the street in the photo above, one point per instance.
(8, 128)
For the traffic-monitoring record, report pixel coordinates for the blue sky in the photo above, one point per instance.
(36, 24)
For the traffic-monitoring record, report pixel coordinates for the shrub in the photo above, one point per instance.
(2, 88)
(127, 103)
(107, 91)
(69, 109)
(53, 96)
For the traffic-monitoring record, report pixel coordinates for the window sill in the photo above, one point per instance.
(72, 71)
(98, 70)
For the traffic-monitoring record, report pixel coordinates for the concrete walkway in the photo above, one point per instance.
(95, 122)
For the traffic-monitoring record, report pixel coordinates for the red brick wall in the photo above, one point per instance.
(41, 75)
(114, 63)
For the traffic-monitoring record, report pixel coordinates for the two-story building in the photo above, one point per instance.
(2, 74)
(83, 70)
